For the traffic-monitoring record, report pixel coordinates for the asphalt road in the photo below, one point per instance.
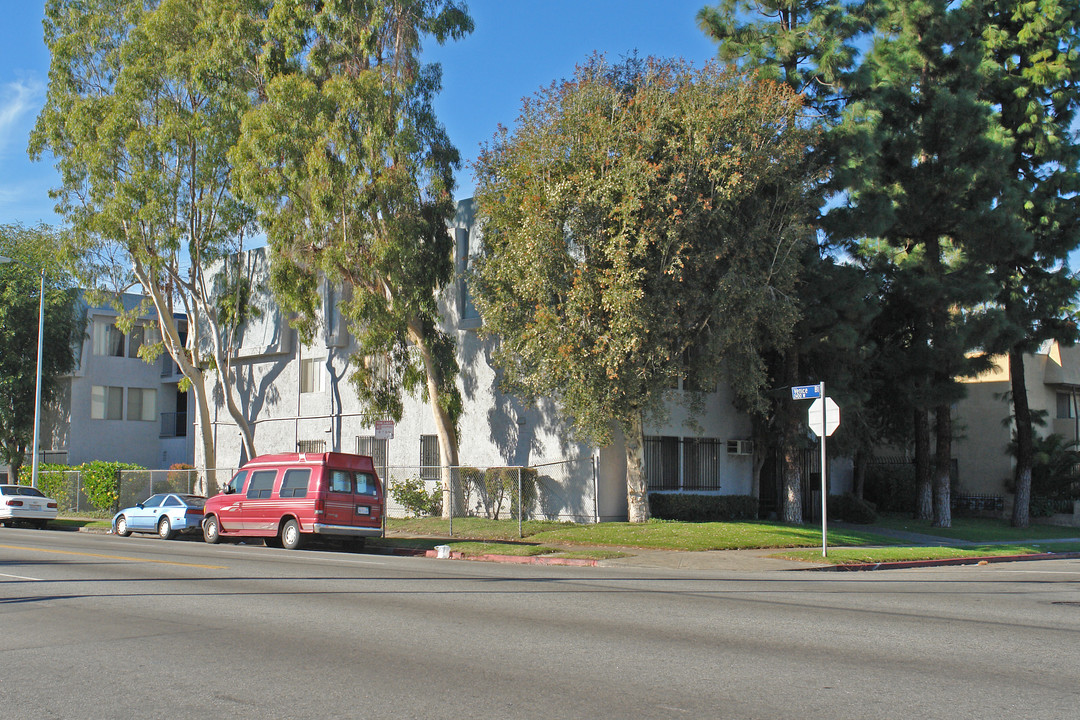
(100, 626)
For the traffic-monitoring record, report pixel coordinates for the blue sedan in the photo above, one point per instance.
(165, 514)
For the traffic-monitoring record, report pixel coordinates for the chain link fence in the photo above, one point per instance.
(69, 487)
(563, 490)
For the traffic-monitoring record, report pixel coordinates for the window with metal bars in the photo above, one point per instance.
(429, 457)
(673, 463)
(662, 462)
(375, 448)
(311, 446)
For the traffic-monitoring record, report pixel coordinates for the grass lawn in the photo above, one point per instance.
(68, 523)
(655, 534)
(854, 556)
(982, 530)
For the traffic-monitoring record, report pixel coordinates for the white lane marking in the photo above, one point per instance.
(20, 577)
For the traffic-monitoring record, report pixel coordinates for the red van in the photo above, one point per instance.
(282, 498)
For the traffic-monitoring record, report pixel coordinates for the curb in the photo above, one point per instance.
(515, 559)
(975, 560)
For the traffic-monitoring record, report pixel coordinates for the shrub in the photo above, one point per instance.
(852, 509)
(412, 495)
(891, 487)
(101, 482)
(498, 486)
(54, 481)
(690, 507)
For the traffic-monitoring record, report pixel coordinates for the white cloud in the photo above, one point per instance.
(19, 102)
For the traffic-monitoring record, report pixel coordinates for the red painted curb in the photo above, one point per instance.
(901, 565)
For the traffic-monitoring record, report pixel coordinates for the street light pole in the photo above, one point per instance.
(37, 384)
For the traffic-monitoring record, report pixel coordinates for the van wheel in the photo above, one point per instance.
(210, 530)
(164, 529)
(290, 535)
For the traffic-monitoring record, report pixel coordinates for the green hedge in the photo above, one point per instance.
(891, 488)
(695, 507)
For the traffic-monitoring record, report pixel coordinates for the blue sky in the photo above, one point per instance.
(517, 48)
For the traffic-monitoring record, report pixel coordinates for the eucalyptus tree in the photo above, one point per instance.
(144, 102)
(642, 224)
(352, 174)
(1033, 51)
(31, 252)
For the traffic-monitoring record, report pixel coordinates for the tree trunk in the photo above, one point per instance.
(453, 497)
(942, 466)
(924, 485)
(791, 425)
(637, 491)
(862, 460)
(1025, 441)
(170, 334)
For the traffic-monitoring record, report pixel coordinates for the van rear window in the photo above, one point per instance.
(365, 484)
(295, 483)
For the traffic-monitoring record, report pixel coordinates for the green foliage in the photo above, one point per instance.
(34, 251)
(101, 482)
(640, 211)
(412, 495)
(352, 176)
(498, 486)
(1055, 478)
(691, 507)
(852, 509)
(55, 481)
(891, 488)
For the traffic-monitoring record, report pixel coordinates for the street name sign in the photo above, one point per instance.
(805, 392)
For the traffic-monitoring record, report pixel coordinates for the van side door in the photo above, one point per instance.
(258, 505)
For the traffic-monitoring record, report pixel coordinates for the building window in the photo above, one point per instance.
(429, 457)
(142, 404)
(375, 448)
(662, 462)
(311, 375)
(673, 463)
(136, 340)
(1065, 410)
(701, 464)
(106, 403)
(108, 340)
(311, 446)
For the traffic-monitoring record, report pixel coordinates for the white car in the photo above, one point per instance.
(19, 503)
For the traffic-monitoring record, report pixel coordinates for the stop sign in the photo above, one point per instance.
(831, 412)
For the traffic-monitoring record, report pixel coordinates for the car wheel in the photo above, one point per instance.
(290, 535)
(121, 527)
(210, 530)
(164, 529)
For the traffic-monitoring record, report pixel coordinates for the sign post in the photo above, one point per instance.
(823, 417)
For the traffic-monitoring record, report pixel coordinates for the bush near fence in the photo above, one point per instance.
(696, 507)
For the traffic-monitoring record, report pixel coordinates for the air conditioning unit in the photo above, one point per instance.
(740, 447)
